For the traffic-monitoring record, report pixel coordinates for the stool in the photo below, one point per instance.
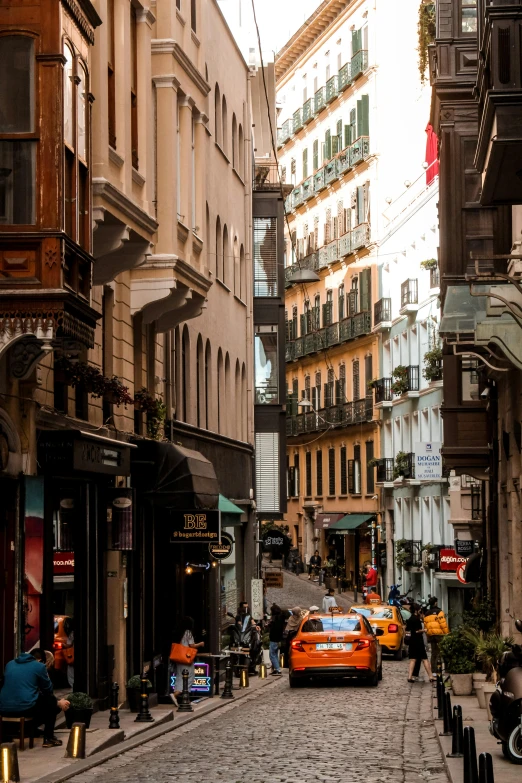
(23, 721)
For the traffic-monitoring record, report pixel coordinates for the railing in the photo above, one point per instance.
(360, 236)
(308, 188)
(311, 261)
(285, 132)
(332, 251)
(343, 77)
(434, 277)
(266, 395)
(413, 377)
(359, 150)
(343, 161)
(331, 89)
(341, 415)
(323, 257)
(409, 293)
(319, 183)
(383, 392)
(289, 350)
(345, 244)
(361, 324)
(308, 111)
(413, 550)
(332, 334)
(330, 172)
(359, 64)
(384, 470)
(297, 197)
(435, 370)
(266, 176)
(297, 121)
(314, 341)
(320, 99)
(382, 311)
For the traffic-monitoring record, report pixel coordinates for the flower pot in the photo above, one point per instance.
(73, 715)
(462, 684)
(330, 582)
(479, 691)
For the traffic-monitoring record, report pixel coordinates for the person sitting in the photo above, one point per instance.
(28, 692)
(314, 565)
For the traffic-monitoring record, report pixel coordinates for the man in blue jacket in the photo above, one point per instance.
(27, 691)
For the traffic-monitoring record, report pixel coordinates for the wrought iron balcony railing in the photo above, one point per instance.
(320, 99)
(332, 251)
(343, 77)
(359, 150)
(360, 236)
(382, 311)
(308, 111)
(434, 277)
(331, 89)
(319, 183)
(343, 161)
(384, 470)
(316, 340)
(308, 188)
(383, 392)
(297, 197)
(330, 172)
(311, 261)
(409, 293)
(339, 415)
(297, 121)
(359, 64)
(285, 132)
(345, 244)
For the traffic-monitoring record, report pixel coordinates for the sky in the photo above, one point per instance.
(278, 20)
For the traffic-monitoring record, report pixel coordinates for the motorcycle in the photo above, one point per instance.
(395, 598)
(506, 703)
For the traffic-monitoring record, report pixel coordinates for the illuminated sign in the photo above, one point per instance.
(220, 550)
(194, 526)
(202, 680)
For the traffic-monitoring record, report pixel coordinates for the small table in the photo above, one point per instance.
(240, 652)
(215, 661)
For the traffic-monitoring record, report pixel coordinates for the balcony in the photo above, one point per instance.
(359, 64)
(320, 100)
(342, 415)
(297, 121)
(330, 172)
(434, 278)
(345, 244)
(332, 334)
(284, 133)
(267, 177)
(331, 89)
(406, 380)
(404, 465)
(343, 162)
(289, 351)
(361, 324)
(308, 111)
(343, 77)
(382, 314)
(360, 236)
(409, 553)
(317, 340)
(311, 261)
(319, 183)
(323, 257)
(308, 189)
(297, 197)
(332, 251)
(385, 468)
(409, 297)
(359, 150)
(383, 392)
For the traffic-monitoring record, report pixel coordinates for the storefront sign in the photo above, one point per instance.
(274, 579)
(276, 542)
(74, 450)
(220, 550)
(194, 526)
(202, 679)
(256, 604)
(464, 548)
(428, 461)
(449, 560)
(63, 562)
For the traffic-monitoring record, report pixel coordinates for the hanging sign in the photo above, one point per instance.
(274, 578)
(220, 550)
(194, 526)
(428, 461)
(450, 560)
(464, 548)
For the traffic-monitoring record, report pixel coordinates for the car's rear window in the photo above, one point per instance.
(365, 612)
(383, 614)
(337, 623)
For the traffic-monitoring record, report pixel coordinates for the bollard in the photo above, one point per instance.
(184, 700)
(227, 690)
(243, 678)
(447, 730)
(458, 739)
(486, 768)
(9, 772)
(440, 697)
(262, 671)
(144, 715)
(76, 744)
(114, 717)
(470, 756)
(281, 660)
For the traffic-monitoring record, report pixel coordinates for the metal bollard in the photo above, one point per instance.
(486, 768)
(184, 701)
(76, 745)
(9, 772)
(243, 678)
(458, 738)
(281, 660)
(227, 690)
(470, 756)
(440, 697)
(144, 715)
(447, 730)
(114, 717)
(262, 671)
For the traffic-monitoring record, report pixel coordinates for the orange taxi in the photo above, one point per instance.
(390, 621)
(335, 645)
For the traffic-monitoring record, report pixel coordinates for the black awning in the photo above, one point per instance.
(171, 476)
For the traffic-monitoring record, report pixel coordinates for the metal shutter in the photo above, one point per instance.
(267, 471)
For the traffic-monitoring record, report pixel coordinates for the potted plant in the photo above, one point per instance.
(133, 692)
(429, 263)
(80, 710)
(433, 368)
(404, 556)
(401, 383)
(426, 30)
(329, 579)
(156, 412)
(93, 381)
(458, 653)
(402, 465)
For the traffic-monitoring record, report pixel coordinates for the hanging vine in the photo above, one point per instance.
(427, 30)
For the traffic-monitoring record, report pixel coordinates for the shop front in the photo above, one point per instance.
(347, 546)
(455, 594)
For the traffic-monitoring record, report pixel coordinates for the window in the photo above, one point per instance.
(265, 256)
(307, 391)
(368, 373)
(327, 71)
(308, 476)
(293, 170)
(134, 87)
(341, 385)
(217, 115)
(315, 154)
(266, 365)
(356, 381)
(178, 5)
(297, 488)
(329, 390)
(17, 116)
(316, 392)
(224, 121)
(341, 302)
(469, 380)
(234, 141)
(267, 471)
(240, 151)
(68, 100)
(354, 472)
(370, 472)
(219, 250)
(111, 79)
(331, 472)
(469, 17)
(344, 471)
(193, 19)
(305, 163)
(353, 297)
(319, 472)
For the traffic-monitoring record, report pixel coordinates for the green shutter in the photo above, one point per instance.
(365, 278)
(335, 145)
(356, 41)
(316, 154)
(328, 145)
(347, 135)
(353, 125)
(340, 130)
(363, 120)
(360, 205)
(305, 163)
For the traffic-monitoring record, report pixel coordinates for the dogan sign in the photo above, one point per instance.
(194, 526)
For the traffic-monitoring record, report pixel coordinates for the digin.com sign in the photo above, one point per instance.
(194, 526)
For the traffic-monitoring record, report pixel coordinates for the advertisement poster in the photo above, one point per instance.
(33, 558)
(428, 461)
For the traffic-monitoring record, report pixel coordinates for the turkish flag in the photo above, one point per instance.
(432, 154)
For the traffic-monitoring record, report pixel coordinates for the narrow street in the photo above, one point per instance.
(299, 591)
(324, 733)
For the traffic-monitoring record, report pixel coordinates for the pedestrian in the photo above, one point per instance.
(184, 634)
(275, 635)
(68, 649)
(28, 692)
(291, 628)
(416, 646)
(436, 628)
(329, 601)
(315, 563)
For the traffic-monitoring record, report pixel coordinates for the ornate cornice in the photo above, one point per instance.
(85, 16)
(102, 188)
(170, 46)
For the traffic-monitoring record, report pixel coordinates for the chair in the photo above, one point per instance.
(23, 723)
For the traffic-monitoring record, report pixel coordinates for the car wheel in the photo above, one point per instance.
(296, 682)
(514, 746)
(397, 656)
(373, 679)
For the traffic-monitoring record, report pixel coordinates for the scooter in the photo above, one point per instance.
(506, 703)
(395, 598)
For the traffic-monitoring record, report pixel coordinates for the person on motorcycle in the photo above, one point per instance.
(315, 564)
(436, 627)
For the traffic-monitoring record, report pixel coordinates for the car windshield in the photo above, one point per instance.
(341, 623)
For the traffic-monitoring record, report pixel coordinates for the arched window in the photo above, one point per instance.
(224, 121)
(200, 385)
(226, 256)
(244, 422)
(220, 391)
(240, 151)
(238, 403)
(219, 250)
(218, 127)
(211, 262)
(178, 375)
(228, 407)
(234, 141)
(242, 274)
(237, 282)
(208, 384)
(185, 351)
(68, 100)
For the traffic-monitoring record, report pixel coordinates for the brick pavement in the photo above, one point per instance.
(321, 734)
(299, 591)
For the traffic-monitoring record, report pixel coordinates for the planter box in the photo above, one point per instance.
(462, 684)
(330, 582)
(78, 716)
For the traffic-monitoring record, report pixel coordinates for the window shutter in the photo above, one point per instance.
(326, 396)
(328, 145)
(339, 128)
(351, 476)
(347, 135)
(305, 163)
(340, 218)
(347, 220)
(363, 116)
(366, 202)
(315, 154)
(267, 471)
(356, 382)
(344, 471)
(360, 205)
(335, 146)
(331, 471)
(290, 481)
(370, 472)
(368, 373)
(308, 477)
(296, 473)
(303, 324)
(365, 289)
(353, 125)
(334, 228)
(319, 472)
(356, 41)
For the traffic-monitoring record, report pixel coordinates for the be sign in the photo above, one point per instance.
(428, 461)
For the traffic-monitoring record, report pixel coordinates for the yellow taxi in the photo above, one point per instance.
(390, 620)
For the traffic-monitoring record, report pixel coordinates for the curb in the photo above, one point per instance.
(77, 768)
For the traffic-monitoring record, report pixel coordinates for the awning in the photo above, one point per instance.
(326, 521)
(171, 476)
(230, 513)
(350, 522)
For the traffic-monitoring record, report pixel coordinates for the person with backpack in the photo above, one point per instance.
(436, 627)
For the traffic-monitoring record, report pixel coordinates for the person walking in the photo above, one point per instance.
(275, 635)
(436, 628)
(28, 692)
(416, 646)
(315, 563)
(291, 628)
(184, 634)
(329, 601)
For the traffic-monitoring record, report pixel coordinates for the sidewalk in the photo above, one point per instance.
(49, 765)
(472, 715)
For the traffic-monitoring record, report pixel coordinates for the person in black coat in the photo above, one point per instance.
(275, 631)
(416, 646)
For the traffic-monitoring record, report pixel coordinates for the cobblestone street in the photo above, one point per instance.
(324, 733)
(299, 591)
